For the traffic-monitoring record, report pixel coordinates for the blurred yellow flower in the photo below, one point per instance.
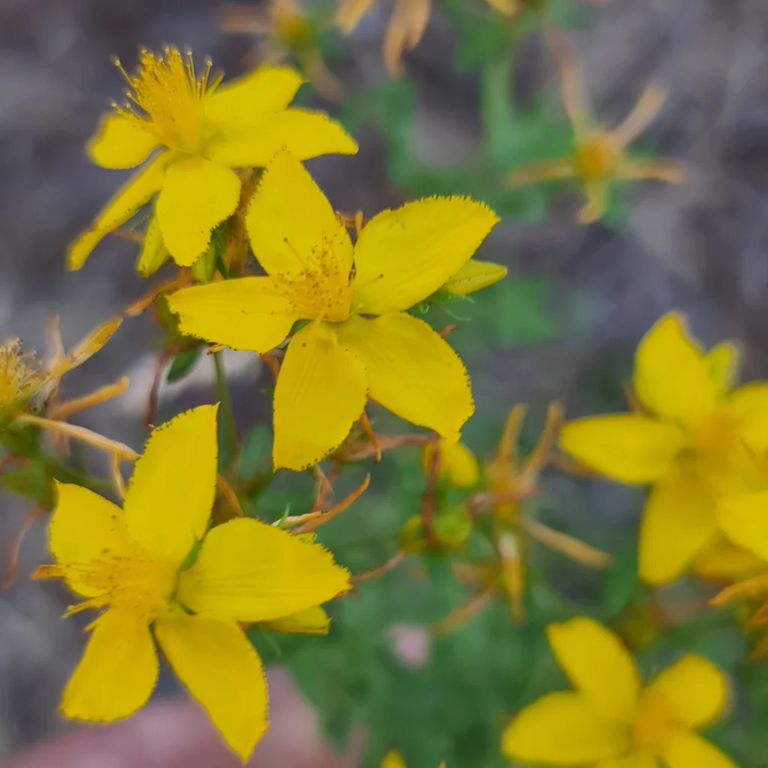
(454, 461)
(406, 27)
(695, 439)
(29, 389)
(600, 155)
(287, 32)
(393, 759)
(611, 720)
(135, 563)
(360, 341)
(202, 130)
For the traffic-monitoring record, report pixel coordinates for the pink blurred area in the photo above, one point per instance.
(176, 733)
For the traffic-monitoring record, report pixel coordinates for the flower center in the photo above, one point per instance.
(715, 437)
(133, 580)
(170, 96)
(18, 379)
(654, 724)
(597, 157)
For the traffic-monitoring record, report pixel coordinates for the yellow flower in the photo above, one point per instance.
(611, 720)
(135, 563)
(360, 341)
(196, 132)
(406, 27)
(694, 442)
(287, 32)
(29, 390)
(455, 462)
(600, 154)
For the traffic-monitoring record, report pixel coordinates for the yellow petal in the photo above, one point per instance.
(197, 195)
(672, 379)
(598, 665)
(124, 203)
(153, 252)
(641, 759)
(562, 729)
(456, 462)
(475, 275)
(170, 497)
(249, 101)
(118, 670)
(251, 571)
(403, 256)
(120, 142)
(724, 561)
(83, 525)
(313, 621)
(406, 27)
(214, 659)
(321, 391)
(412, 371)
(302, 132)
(744, 518)
(689, 750)
(350, 12)
(292, 226)
(723, 362)
(678, 522)
(749, 405)
(393, 759)
(630, 448)
(694, 689)
(245, 313)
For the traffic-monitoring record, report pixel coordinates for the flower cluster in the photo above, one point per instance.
(181, 563)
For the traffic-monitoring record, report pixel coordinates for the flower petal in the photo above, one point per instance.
(118, 670)
(123, 204)
(247, 102)
(214, 659)
(170, 497)
(689, 749)
(473, 276)
(694, 689)
(412, 371)
(678, 521)
(196, 197)
(313, 621)
(120, 142)
(642, 759)
(321, 391)
(744, 519)
(749, 405)
(456, 462)
(598, 665)
(672, 378)
(83, 525)
(292, 226)
(350, 12)
(153, 252)
(302, 132)
(630, 448)
(251, 571)
(562, 729)
(403, 256)
(723, 362)
(245, 313)
(724, 561)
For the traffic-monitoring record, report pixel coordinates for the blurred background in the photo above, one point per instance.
(478, 97)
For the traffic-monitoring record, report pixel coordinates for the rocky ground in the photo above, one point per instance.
(701, 246)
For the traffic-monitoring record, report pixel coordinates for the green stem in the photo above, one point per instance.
(230, 425)
(496, 110)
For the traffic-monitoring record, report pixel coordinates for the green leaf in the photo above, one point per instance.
(183, 363)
